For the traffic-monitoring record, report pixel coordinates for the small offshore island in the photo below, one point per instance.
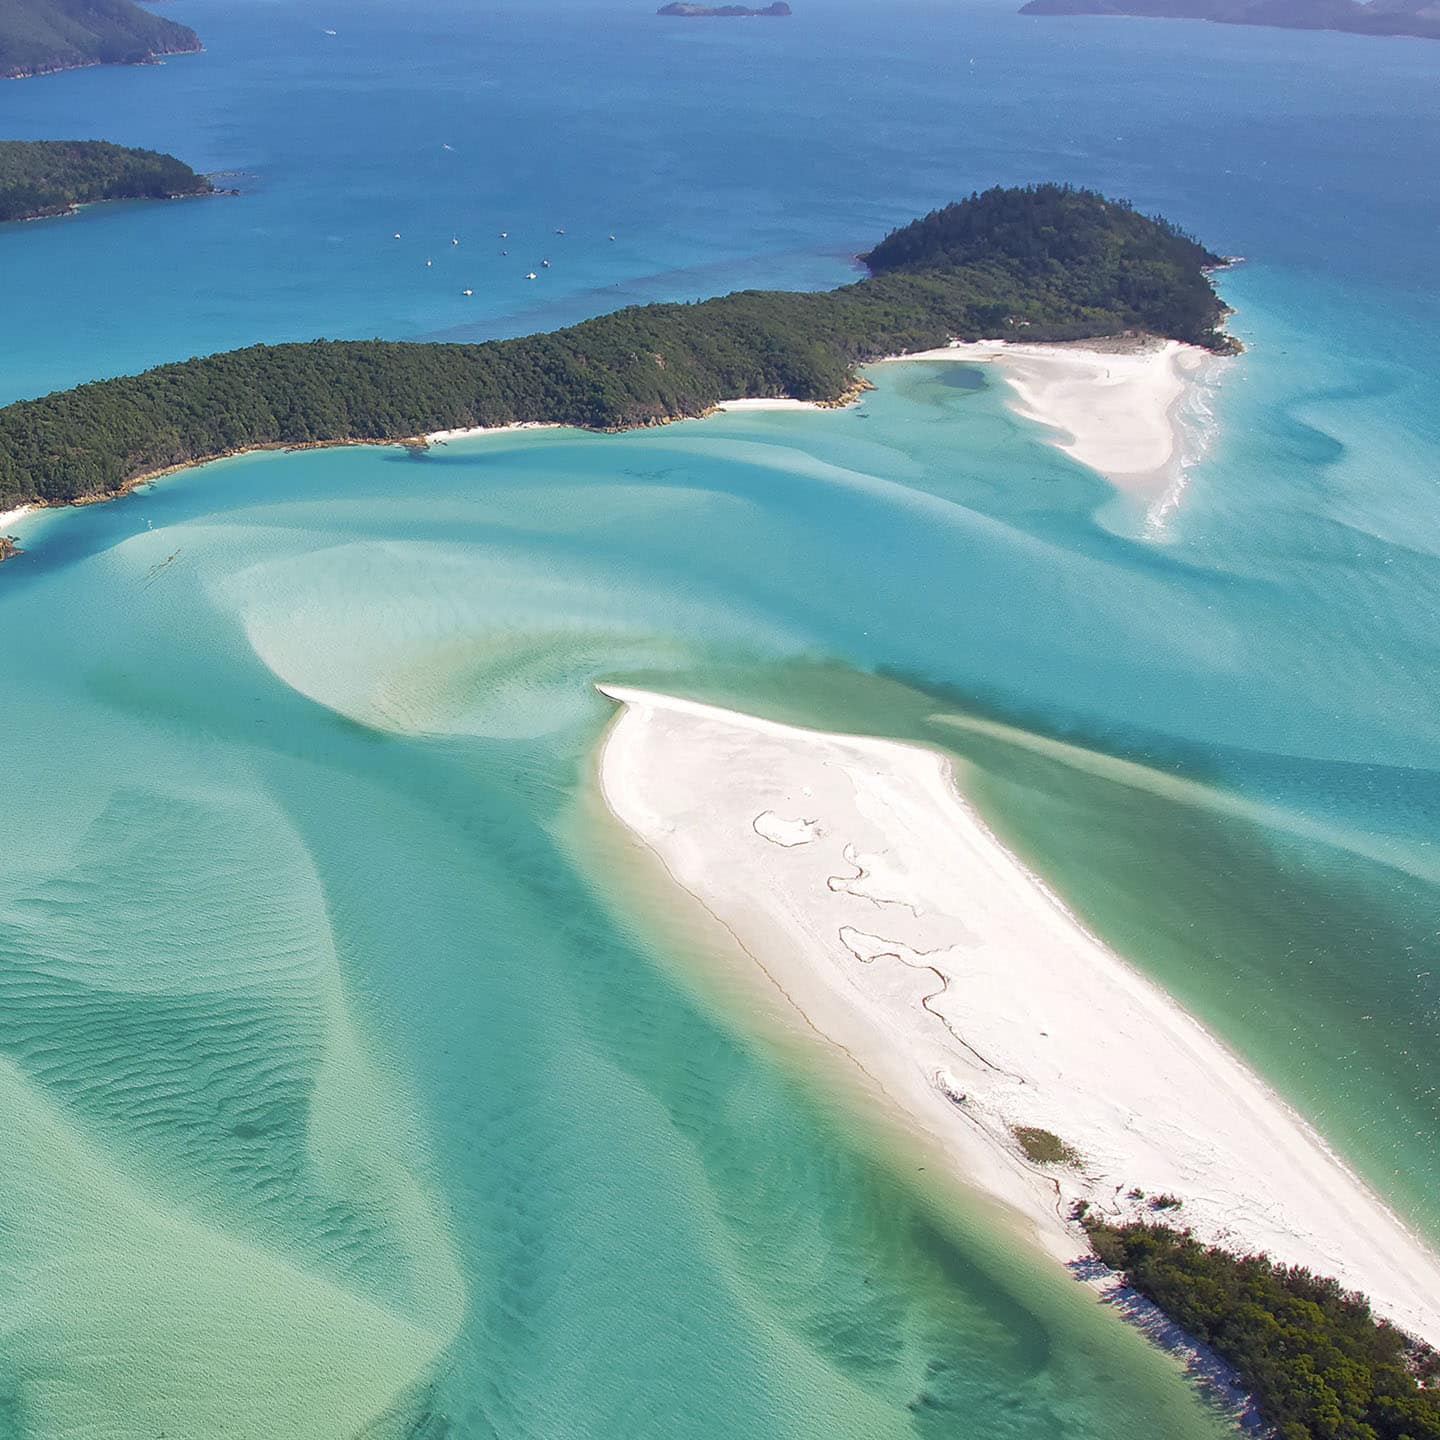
(1044, 263)
(39, 37)
(726, 12)
(39, 178)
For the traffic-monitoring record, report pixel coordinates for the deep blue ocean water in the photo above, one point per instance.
(350, 1088)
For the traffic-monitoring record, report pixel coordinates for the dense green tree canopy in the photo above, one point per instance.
(1091, 252)
(637, 366)
(47, 177)
(1318, 1362)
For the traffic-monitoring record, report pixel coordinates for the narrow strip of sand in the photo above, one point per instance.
(442, 437)
(9, 517)
(1116, 411)
(871, 895)
(769, 403)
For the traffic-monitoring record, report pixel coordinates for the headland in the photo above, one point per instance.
(40, 178)
(1042, 263)
(39, 37)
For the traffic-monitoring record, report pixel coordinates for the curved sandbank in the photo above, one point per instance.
(867, 890)
(1117, 408)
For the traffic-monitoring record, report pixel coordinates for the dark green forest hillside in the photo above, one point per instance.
(1097, 254)
(48, 177)
(1045, 263)
(41, 35)
(1318, 1362)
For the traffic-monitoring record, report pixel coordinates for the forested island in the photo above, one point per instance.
(1317, 1361)
(726, 12)
(1046, 262)
(1419, 18)
(53, 177)
(40, 36)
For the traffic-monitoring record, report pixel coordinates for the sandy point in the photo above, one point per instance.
(1117, 408)
(852, 871)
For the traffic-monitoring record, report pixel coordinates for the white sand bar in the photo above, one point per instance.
(1116, 411)
(866, 889)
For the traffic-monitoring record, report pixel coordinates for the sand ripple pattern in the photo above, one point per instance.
(211, 1225)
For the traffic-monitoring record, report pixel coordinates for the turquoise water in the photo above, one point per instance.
(354, 1080)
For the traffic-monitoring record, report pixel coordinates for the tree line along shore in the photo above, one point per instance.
(1318, 1362)
(1044, 262)
(53, 177)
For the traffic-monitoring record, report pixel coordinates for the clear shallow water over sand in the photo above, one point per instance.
(339, 995)
(325, 1051)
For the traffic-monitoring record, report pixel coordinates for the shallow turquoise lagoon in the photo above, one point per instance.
(355, 1078)
(305, 858)
(352, 1095)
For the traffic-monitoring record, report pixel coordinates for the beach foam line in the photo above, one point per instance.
(904, 933)
(1119, 412)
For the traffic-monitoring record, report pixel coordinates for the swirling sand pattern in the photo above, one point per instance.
(485, 641)
(209, 1228)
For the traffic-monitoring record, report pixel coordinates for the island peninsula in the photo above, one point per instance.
(38, 37)
(1046, 262)
(55, 177)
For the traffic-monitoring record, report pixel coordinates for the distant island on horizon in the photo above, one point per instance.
(1415, 18)
(39, 37)
(724, 12)
(39, 178)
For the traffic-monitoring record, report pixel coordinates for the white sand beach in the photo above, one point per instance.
(9, 517)
(880, 907)
(1116, 410)
(768, 403)
(442, 437)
